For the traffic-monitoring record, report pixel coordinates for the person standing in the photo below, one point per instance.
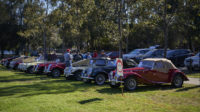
(68, 58)
(102, 54)
(88, 56)
(95, 54)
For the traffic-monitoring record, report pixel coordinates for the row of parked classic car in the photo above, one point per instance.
(100, 70)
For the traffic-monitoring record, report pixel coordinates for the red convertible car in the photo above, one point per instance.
(39, 68)
(149, 71)
(55, 69)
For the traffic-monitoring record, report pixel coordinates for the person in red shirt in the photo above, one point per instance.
(95, 54)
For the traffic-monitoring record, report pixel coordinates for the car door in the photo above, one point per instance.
(181, 57)
(109, 66)
(160, 72)
(148, 73)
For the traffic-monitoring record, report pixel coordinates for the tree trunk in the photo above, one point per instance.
(165, 30)
(2, 53)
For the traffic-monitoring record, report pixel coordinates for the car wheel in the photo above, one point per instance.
(130, 84)
(15, 67)
(41, 71)
(56, 73)
(177, 81)
(115, 86)
(78, 75)
(30, 70)
(100, 79)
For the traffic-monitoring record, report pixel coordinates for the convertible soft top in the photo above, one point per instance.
(163, 64)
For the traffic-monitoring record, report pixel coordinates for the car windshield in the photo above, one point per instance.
(198, 54)
(136, 51)
(146, 64)
(154, 53)
(99, 62)
(170, 53)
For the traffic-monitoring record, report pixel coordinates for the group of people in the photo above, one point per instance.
(68, 57)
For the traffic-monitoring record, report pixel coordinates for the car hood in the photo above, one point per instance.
(131, 55)
(193, 57)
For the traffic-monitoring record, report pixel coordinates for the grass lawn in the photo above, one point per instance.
(193, 74)
(21, 92)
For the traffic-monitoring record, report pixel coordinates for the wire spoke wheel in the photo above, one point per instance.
(100, 79)
(177, 81)
(56, 73)
(130, 84)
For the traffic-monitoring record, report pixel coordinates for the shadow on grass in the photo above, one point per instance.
(13, 80)
(90, 100)
(188, 88)
(2, 68)
(139, 89)
(54, 86)
(44, 85)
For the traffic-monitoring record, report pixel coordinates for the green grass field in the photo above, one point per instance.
(193, 74)
(21, 92)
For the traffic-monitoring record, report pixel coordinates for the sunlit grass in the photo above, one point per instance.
(21, 92)
(194, 75)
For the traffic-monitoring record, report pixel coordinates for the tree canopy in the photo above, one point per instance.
(93, 24)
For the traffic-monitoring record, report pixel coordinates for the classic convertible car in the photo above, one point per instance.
(76, 69)
(101, 67)
(15, 63)
(40, 68)
(55, 69)
(149, 71)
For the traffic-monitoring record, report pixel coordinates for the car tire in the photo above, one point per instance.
(56, 73)
(177, 81)
(115, 86)
(30, 70)
(130, 84)
(78, 75)
(100, 79)
(15, 67)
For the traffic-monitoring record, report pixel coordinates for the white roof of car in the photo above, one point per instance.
(167, 63)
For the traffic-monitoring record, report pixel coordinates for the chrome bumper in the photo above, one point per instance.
(85, 77)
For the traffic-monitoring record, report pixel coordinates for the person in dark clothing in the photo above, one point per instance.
(78, 56)
(102, 54)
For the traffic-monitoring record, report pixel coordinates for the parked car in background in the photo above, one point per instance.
(177, 56)
(135, 53)
(39, 68)
(155, 53)
(100, 68)
(15, 62)
(55, 69)
(193, 62)
(29, 66)
(149, 71)
(5, 62)
(113, 54)
(76, 69)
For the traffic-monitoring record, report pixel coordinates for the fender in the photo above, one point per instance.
(98, 72)
(58, 67)
(129, 74)
(178, 72)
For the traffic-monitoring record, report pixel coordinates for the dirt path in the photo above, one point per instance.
(195, 81)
